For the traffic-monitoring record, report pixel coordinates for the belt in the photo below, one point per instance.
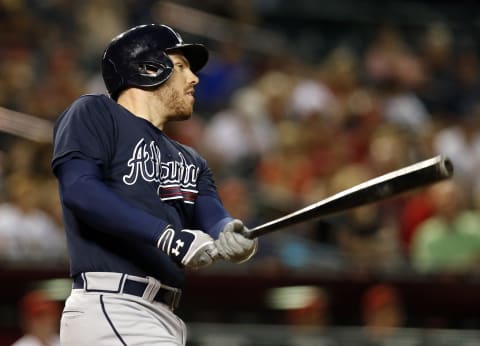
(147, 288)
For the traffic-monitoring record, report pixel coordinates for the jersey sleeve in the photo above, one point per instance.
(209, 212)
(82, 190)
(85, 130)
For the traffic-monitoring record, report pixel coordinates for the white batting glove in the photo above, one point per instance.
(233, 246)
(192, 249)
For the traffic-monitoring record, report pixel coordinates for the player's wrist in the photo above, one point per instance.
(175, 243)
(187, 248)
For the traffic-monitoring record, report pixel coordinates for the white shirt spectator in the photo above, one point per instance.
(31, 236)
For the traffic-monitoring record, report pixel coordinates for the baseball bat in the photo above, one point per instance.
(417, 175)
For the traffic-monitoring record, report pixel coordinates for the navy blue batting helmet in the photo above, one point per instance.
(138, 57)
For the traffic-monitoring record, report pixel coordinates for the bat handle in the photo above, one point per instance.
(247, 233)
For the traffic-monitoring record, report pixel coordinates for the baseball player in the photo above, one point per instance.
(139, 208)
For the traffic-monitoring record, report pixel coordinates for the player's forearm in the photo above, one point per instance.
(210, 215)
(94, 203)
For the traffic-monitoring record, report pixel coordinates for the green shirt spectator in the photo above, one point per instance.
(441, 245)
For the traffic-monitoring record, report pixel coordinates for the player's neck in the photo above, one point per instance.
(138, 103)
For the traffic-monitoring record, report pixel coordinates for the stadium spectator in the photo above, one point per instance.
(383, 318)
(29, 235)
(449, 240)
(40, 320)
(367, 236)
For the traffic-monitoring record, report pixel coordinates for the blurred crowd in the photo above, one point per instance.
(278, 132)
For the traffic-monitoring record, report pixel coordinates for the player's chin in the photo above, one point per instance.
(183, 111)
(182, 116)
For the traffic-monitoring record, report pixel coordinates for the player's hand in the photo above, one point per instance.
(233, 246)
(192, 249)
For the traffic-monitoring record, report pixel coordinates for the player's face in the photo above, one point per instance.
(177, 94)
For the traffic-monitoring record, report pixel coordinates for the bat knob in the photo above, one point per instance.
(446, 167)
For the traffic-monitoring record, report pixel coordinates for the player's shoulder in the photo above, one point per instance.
(90, 106)
(182, 146)
(89, 100)
(191, 152)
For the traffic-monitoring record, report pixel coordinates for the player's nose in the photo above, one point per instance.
(193, 78)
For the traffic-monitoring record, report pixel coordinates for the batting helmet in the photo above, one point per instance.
(138, 58)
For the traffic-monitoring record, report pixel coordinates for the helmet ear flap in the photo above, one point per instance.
(150, 70)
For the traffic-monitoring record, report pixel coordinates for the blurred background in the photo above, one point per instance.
(300, 99)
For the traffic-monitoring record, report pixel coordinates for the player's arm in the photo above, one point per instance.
(83, 191)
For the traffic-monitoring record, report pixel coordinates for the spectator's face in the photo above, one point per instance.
(447, 198)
